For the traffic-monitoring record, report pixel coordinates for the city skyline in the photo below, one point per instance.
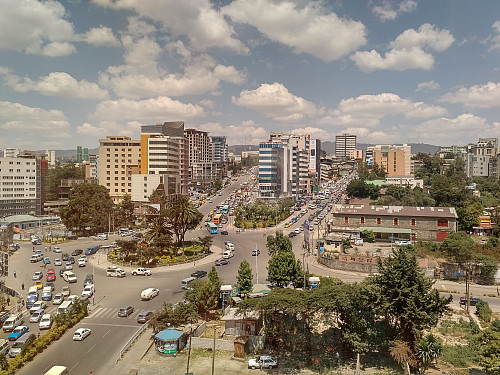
(389, 72)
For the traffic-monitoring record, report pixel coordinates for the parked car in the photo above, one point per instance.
(255, 252)
(199, 274)
(264, 361)
(81, 333)
(402, 242)
(221, 262)
(125, 311)
(144, 316)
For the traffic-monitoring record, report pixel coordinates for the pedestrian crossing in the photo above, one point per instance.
(111, 312)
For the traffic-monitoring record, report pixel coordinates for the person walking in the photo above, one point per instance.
(15, 274)
(22, 286)
(8, 301)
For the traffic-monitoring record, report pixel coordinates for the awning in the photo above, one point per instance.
(168, 334)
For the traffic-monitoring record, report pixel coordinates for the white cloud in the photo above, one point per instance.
(386, 11)
(477, 96)
(197, 19)
(57, 84)
(275, 101)
(495, 39)
(408, 51)
(100, 36)
(316, 133)
(307, 27)
(149, 110)
(245, 133)
(90, 130)
(429, 85)
(35, 27)
(42, 125)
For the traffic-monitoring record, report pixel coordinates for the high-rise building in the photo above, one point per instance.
(395, 160)
(165, 150)
(344, 145)
(22, 187)
(219, 149)
(51, 157)
(481, 158)
(119, 158)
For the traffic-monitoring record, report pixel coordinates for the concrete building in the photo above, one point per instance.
(207, 156)
(394, 159)
(143, 185)
(356, 154)
(10, 152)
(481, 158)
(344, 145)
(270, 169)
(165, 151)
(393, 222)
(51, 157)
(22, 185)
(219, 149)
(92, 168)
(119, 158)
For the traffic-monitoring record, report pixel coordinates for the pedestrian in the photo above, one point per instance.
(18, 306)
(498, 293)
(38, 336)
(33, 248)
(22, 286)
(8, 301)
(15, 274)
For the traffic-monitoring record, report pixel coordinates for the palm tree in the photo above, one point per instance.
(428, 350)
(183, 216)
(159, 227)
(206, 243)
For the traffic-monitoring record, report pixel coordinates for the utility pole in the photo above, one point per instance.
(213, 351)
(257, 263)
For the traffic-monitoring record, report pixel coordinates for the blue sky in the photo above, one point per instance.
(74, 71)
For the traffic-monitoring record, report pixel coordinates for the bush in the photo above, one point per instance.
(495, 325)
(483, 310)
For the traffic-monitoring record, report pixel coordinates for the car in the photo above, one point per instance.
(89, 279)
(221, 262)
(3, 317)
(38, 284)
(38, 305)
(83, 256)
(472, 300)
(287, 225)
(264, 361)
(65, 257)
(76, 252)
(61, 271)
(57, 262)
(81, 333)
(68, 266)
(88, 291)
(58, 299)
(144, 316)
(292, 234)
(71, 260)
(18, 332)
(37, 275)
(57, 249)
(224, 232)
(72, 237)
(81, 262)
(402, 242)
(51, 284)
(36, 316)
(125, 311)
(46, 260)
(45, 322)
(199, 274)
(255, 252)
(150, 293)
(66, 291)
(141, 271)
(297, 230)
(51, 275)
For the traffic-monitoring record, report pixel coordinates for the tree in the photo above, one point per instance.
(283, 269)
(490, 347)
(429, 349)
(4, 363)
(468, 215)
(278, 243)
(88, 209)
(214, 278)
(206, 243)
(183, 216)
(402, 353)
(406, 298)
(59, 173)
(159, 232)
(127, 247)
(207, 297)
(244, 278)
(360, 189)
(125, 212)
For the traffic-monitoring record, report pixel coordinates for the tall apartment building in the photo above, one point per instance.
(165, 151)
(270, 169)
(394, 159)
(82, 154)
(51, 157)
(481, 158)
(92, 168)
(219, 149)
(22, 187)
(344, 145)
(119, 158)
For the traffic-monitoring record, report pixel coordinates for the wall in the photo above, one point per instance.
(348, 266)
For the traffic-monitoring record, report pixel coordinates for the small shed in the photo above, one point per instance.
(240, 346)
(238, 324)
(170, 341)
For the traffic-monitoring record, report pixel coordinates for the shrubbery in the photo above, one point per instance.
(483, 310)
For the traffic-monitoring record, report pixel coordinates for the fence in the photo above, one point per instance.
(131, 341)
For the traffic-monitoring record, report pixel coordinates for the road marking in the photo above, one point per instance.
(76, 364)
(106, 333)
(112, 325)
(92, 347)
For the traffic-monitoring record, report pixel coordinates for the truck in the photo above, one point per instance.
(141, 271)
(264, 361)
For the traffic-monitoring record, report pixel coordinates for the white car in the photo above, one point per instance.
(38, 305)
(88, 291)
(57, 262)
(141, 271)
(46, 322)
(402, 242)
(56, 249)
(58, 299)
(81, 262)
(149, 293)
(81, 333)
(264, 361)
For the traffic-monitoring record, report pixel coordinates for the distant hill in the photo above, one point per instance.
(329, 147)
(236, 149)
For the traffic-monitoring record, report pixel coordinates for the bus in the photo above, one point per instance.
(212, 228)
(217, 219)
(225, 209)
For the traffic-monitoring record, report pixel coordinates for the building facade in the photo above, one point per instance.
(481, 158)
(344, 145)
(119, 158)
(393, 222)
(394, 159)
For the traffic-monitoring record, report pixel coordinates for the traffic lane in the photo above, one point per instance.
(92, 354)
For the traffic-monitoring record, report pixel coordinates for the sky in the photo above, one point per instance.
(391, 72)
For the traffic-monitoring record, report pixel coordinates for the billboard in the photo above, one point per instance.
(312, 156)
(369, 159)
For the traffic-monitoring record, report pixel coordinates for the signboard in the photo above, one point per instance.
(306, 233)
(369, 159)
(312, 156)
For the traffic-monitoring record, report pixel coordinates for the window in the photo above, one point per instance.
(362, 219)
(442, 222)
(378, 221)
(346, 219)
(395, 221)
(413, 222)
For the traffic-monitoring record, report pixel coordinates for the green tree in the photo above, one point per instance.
(215, 279)
(483, 310)
(127, 247)
(206, 243)
(88, 209)
(125, 212)
(278, 244)
(207, 298)
(406, 298)
(159, 232)
(59, 173)
(183, 216)
(4, 363)
(490, 347)
(283, 269)
(244, 278)
(429, 349)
